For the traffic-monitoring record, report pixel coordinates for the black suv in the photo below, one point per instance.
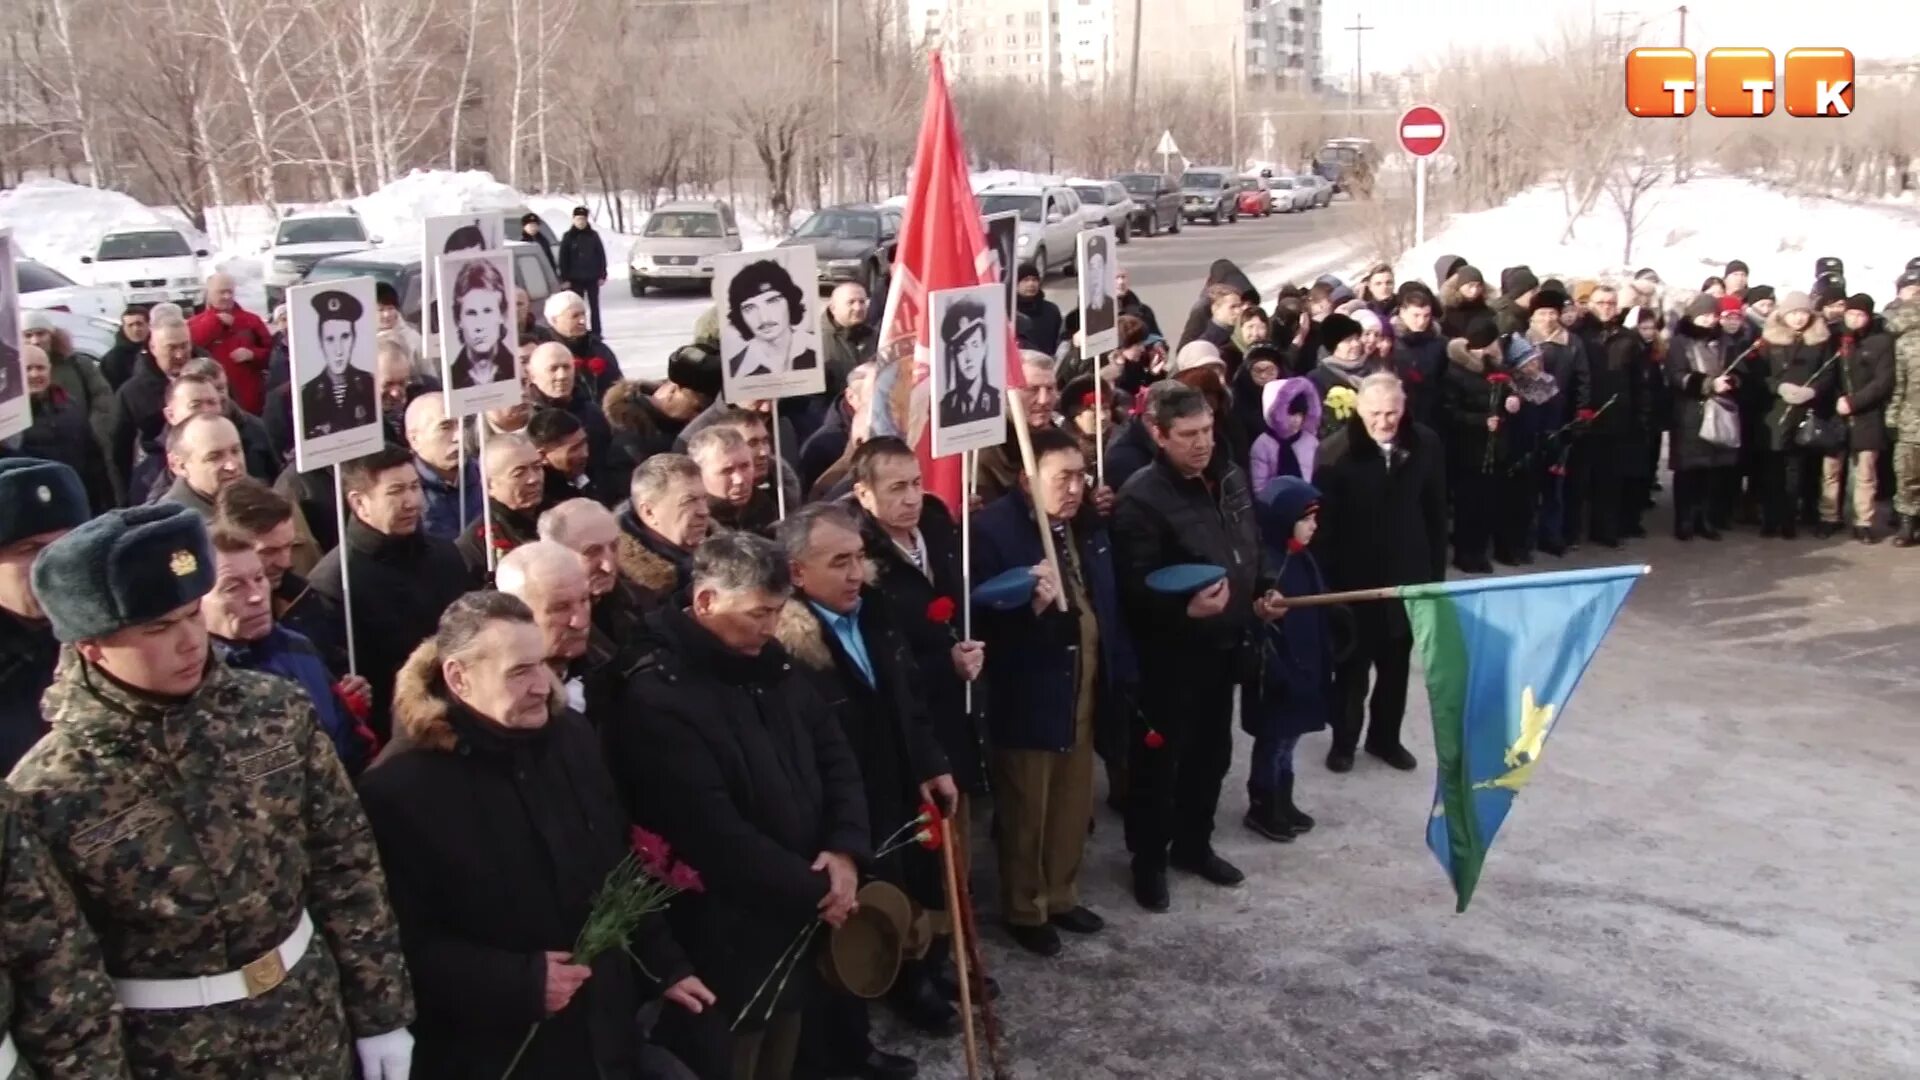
(1158, 201)
(851, 243)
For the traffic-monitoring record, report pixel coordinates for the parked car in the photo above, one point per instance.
(1319, 188)
(851, 243)
(1209, 193)
(306, 237)
(1255, 200)
(1105, 202)
(149, 264)
(43, 287)
(1156, 201)
(399, 266)
(1289, 194)
(1050, 222)
(678, 245)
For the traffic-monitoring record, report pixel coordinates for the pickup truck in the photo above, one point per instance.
(1213, 194)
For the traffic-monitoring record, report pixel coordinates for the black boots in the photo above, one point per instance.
(1288, 812)
(1909, 533)
(1264, 817)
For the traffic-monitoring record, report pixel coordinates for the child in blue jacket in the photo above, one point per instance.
(1295, 687)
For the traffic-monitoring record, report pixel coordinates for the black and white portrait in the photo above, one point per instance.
(16, 413)
(479, 364)
(969, 369)
(1099, 310)
(1003, 239)
(455, 234)
(769, 311)
(330, 331)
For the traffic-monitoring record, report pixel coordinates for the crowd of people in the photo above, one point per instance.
(288, 799)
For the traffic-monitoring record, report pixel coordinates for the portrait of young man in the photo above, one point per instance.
(971, 394)
(340, 397)
(480, 311)
(768, 312)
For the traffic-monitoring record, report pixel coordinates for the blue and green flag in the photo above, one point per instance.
(1502, 657)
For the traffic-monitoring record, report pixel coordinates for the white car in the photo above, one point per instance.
(1290, 193)
(307, 237)
(1105, 202)
(149, 264)
(43, 287)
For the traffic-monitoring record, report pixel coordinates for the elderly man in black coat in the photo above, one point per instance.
(491, 899)
(729, 753)
(841, 632)
(1383, 521)
(402, 579)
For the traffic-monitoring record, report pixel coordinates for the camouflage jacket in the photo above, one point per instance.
(194, 833)
(1903, 412)
(54, 995)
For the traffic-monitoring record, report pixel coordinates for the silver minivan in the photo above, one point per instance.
(677, 245)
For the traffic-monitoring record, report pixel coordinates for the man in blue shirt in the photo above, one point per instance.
(434, 438)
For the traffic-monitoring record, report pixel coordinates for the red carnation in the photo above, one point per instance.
(684, 878)
(1556, 470)
(597, 366)
(357, 704)
(1499, 378)
(1585, 414)
(1294, 546)
(501, 543)
(1414, 376)
(940, 610)
(1155, 740)
(930, 836)
(652, 849)
(929, 812)
(1086, 400)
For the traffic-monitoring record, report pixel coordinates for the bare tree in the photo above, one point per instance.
(774, 98)
(1628, 185)
(470, 33)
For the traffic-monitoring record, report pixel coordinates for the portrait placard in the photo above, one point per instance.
(479, 364)
(1003, 240)
(454, 234)
(769, 312)
(969, 373)
(331, 331)
(1099, 302)
(16, 409)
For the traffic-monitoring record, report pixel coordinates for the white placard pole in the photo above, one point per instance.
(486, 502)
(966, 557)
(346, 567)
(1099, 430)
(779, 475)
(1419, 200)
(460, 441)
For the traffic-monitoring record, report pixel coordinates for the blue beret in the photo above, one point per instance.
(37, 497)
(1185, 579)
(123, 568)
(1006, 591)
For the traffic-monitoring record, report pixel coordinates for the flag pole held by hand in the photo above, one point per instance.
(1032, 470)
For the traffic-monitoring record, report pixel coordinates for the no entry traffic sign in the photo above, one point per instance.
(1422, 130)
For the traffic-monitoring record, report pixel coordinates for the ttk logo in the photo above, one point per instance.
(1740, 82)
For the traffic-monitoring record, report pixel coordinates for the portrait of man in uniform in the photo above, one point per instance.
(971, 394)
(340, 398)
(1098, 310)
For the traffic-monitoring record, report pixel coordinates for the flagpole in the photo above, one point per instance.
(1099, 431)
(461, 440)
(1033, 484)
(1457, 588)
(486, 501)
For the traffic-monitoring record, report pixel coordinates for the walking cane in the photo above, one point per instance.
(959, 945)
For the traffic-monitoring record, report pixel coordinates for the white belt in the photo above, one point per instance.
(201, 991)
(9, 1057)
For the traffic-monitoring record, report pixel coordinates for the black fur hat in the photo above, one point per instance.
(38, 497)
(123, 568)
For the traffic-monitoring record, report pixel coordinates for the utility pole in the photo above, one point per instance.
(839, 159)
(1133, 76)
(1233, 103)
(1686, 135)
(1353, 95)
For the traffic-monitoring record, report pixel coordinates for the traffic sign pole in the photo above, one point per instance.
(1423, 131)
(1419, 201)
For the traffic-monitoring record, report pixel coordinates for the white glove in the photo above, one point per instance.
(1795, 394)
(386, 1057)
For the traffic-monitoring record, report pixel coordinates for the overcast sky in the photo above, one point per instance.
(1405, 32)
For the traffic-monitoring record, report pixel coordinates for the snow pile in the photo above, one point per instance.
(56, 223)
(395, 212)
(1690, 232)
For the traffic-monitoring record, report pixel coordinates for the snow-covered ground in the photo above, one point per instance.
(1690, 233)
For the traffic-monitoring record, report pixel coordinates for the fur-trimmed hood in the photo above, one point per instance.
(1277, 399)
(628, 405)
(1464, 358)
(1558, 337)
(800, 633)
(642, 567)
(1777, 332)
(421, 702)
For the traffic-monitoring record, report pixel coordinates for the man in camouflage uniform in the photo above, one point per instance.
(207, 827)
(1903, 412)
(55, 997)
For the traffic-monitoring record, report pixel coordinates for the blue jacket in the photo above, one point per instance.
(1294, 691)
(1030, 669)
(443, 500)
(291, 656)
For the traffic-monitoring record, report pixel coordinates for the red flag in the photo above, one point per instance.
(942, 246)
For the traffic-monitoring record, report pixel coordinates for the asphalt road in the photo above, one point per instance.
(1166, 271)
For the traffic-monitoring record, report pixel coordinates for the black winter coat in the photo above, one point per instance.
(587, 381)
(884, 723)
(401, 584)
(1866, 375)
(1470, 400)
(1381, 526)
(1615, 366)
(1162, 519)
(1131, 449)
(1797, 359)
(584, 406)
(583, 259)
(636, 427)
(495, 843)
(1042, 326)
(28, 653)
(909, 596)
(1421, 362)
(136, 414)
(61, 432)
(121, 361)
(740, 765)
